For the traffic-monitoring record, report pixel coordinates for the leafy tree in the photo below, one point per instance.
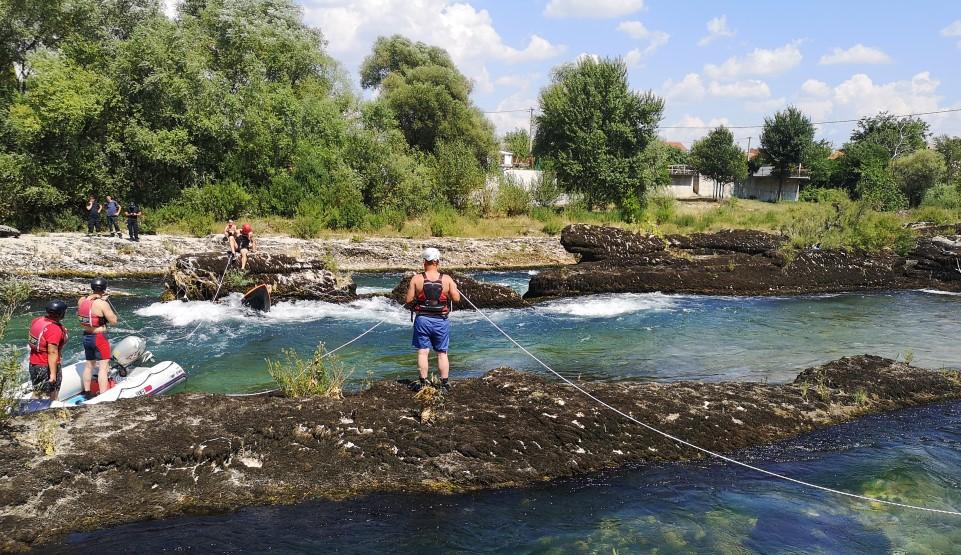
(457, 173)
(518, 141)
(950, 149)
(397, 54)
(917, 172)
(428, 96)
(676, 156)
(717, 156)
(786, 140)
(878, 188)
(594, 130)
(823, 169)
(898, 135)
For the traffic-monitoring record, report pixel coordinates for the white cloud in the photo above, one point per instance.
(862, 97)
(716, 29)
(690, 88)
(953, 30)
(751, 88)
(813, 87)
(767, 107)
(594, 9)
(468, 34)
(759, 62)
(691, 129)
(637, 30)
(511, 120)
(857, 54)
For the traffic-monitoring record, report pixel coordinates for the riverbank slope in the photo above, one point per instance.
(189, 453)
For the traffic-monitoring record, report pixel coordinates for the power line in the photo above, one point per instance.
(812, 123)
(508, 111)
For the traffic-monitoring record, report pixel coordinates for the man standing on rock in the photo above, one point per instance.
(47, 338)
(113, 211)
(95, 315)
(133, 214)
(429, 295)
(93, 215)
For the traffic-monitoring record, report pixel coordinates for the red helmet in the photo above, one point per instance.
(246, 229)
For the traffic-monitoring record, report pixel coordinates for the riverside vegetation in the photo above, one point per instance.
(235, 109)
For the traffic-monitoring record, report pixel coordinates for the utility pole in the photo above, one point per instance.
(749, 149)
(530, 135)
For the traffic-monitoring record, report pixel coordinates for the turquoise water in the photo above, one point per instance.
(603, 337)
(912, 456)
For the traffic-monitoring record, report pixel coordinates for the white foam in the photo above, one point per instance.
(610, 305)
(179, 313)
(939, 292)
(370, 289)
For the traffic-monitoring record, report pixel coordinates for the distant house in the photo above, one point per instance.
(763, 184)
(687, 183)
(505, 159)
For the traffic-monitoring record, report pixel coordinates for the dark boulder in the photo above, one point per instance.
(7, 231)
(747, 241)
(593, 243)
(483, 295)
(936, 258)
(198, 276)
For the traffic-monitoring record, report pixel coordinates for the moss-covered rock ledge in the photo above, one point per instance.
(190, 453)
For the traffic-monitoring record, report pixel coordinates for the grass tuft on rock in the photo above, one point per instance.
(321, 375)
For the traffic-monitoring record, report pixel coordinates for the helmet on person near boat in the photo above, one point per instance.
(56, 308)
(246, 229)
(99, 285)
(431, 254)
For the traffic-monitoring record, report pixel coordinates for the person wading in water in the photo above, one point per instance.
(47, 338)
(95, 315)
(430, 295)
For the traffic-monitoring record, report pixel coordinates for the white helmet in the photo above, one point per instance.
(431, 254)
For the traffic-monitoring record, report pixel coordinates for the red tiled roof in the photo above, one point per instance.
(676, 144)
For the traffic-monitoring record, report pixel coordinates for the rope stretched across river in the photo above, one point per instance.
(702, 449)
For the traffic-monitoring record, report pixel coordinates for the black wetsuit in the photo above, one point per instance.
(133, 222)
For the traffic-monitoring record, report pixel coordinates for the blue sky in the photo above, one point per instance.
(713, 62)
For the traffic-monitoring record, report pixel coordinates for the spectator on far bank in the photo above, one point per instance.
(133, 214)
(94, 209)
(113, 211)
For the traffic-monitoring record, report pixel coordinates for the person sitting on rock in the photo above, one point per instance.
(429, 296)
(243, 243)
(47, 338)
(230, 230)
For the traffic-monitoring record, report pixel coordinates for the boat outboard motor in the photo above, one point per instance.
(127, 352)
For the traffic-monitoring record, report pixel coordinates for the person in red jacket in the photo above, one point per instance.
(47, 338)
(95, 315)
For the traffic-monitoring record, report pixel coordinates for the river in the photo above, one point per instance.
(911, 456)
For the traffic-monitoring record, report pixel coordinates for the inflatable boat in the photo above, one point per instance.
(129, 377)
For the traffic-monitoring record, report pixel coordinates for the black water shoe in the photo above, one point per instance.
(418, 385)
(445, 385)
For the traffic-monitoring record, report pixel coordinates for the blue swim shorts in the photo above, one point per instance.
(431, 333)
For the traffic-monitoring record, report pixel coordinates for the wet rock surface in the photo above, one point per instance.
(91, 467)
(7, 231)
(483, 295)
(742, 262)
(206, 275)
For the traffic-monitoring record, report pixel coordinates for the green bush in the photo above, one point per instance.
(281, 196)
(457, 173)
(199, 224)
(662, 209)
(553, 226)
(64, 219)
(220, 201)
(942, 196)
(443, 222)
(823, 195)
(308, 220)
(320, 375)
(512, 199)
(545, 190)
(877, 187)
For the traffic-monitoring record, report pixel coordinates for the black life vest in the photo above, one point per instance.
(432, 301)
(243, 241)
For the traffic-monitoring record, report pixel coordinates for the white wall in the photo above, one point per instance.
(765, 188)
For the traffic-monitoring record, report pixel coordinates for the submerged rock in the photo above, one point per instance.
(740, 262)
(198, 276)
(152, 458)
(483, 295)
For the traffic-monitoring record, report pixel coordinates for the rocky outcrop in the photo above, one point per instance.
(199, 276)
(7, 231)
(70, 290)
(483, 295)
(743, 262)
(591, 243)
(151, 458)
(75, 255)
